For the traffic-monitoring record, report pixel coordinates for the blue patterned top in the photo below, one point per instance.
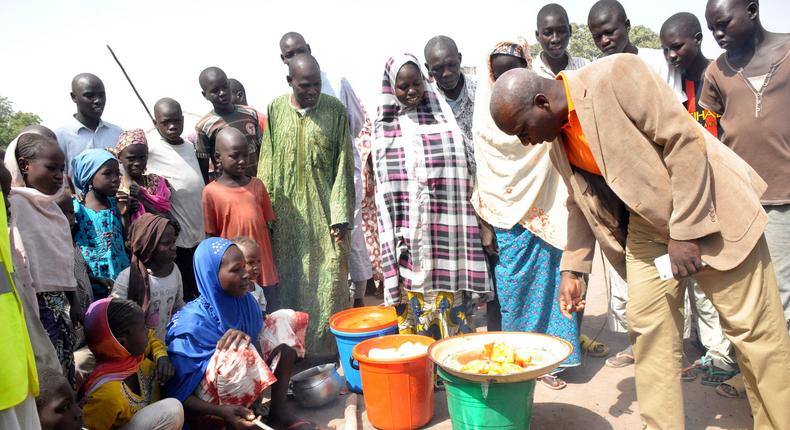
(100, 239)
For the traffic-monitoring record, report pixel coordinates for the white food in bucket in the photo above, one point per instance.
(406, 350)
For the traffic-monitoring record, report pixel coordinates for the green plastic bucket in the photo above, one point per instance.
(475, 405)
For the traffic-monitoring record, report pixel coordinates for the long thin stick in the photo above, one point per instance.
(260, 424)
(130, 83)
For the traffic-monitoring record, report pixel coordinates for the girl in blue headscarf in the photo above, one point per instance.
(211, 343)
(101, 235)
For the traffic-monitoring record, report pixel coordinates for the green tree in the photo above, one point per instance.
(582, 44)
(11, 122)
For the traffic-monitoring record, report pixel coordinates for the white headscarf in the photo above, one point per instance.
(516, 184)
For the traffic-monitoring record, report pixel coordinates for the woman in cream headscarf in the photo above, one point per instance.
(521, 199)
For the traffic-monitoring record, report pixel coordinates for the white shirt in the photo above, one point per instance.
(655, 59)
(178, 164)
(74, 138)
(166, 297)
(542, 69)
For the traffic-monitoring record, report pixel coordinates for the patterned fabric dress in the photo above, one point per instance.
(54, 308)
(100, 238)
(528, 278)
(307, 166)
(430, 238)
(367, 207)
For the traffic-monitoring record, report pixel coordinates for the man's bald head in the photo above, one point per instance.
(303, 64)
(209, 75)
(304, 77)
(526, 105)
(84, 79)
(290, 38)
(443, 62)
(514, 90)
(682, 24)
(39, 130)
(291, 45)
(440, 43)
(607, 9)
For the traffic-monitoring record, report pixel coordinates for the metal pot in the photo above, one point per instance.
(316, 386)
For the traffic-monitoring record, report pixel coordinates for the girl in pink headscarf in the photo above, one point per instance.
(150, 193)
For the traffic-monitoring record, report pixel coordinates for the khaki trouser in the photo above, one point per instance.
(747, 300)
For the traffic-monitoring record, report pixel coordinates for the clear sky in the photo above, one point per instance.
(164, 44)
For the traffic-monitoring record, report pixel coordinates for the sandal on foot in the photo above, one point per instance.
(552, 382)
(621, 359)
(733, 388)
(689, 374)
(699, 366)
(593, 347)
(716, 376)
(726, 390)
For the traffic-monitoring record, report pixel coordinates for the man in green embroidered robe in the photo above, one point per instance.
(307, 166)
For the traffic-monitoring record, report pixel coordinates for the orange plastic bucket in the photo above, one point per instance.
(355, 325)
(398, 393)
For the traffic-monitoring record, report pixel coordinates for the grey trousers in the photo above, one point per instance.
(777, 234)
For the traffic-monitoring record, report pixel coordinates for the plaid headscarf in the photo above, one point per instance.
(515, 48)
(129, 137)
(429, 110)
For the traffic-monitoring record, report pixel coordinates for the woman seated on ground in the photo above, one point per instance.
(131, 363)
(219, 372)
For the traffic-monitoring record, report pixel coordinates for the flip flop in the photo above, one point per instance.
(733, 388)
(621, 359)
(552, 382)
(716, 376)
(701, 365)
(689, 374)
(726, 390)
(593, 347)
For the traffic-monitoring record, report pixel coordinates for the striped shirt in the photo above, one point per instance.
(244, 119)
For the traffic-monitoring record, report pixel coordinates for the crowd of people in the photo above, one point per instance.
(166, 279)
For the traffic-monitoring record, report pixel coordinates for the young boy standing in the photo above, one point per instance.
(236, 204)
(749, 85)
(216, 89)
(170, 157)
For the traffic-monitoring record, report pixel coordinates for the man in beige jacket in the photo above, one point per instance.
(645, 180)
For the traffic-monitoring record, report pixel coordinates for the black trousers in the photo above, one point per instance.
(184, 258)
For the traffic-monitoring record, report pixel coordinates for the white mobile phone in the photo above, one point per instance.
(664, 267)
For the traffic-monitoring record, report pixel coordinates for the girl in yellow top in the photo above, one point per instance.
(131, 364)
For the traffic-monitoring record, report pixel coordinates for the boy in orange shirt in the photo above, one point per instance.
(238, 205)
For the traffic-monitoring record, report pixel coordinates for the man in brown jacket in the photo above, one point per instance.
(645, 180)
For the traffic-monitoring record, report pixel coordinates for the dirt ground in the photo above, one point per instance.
(597, 397)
